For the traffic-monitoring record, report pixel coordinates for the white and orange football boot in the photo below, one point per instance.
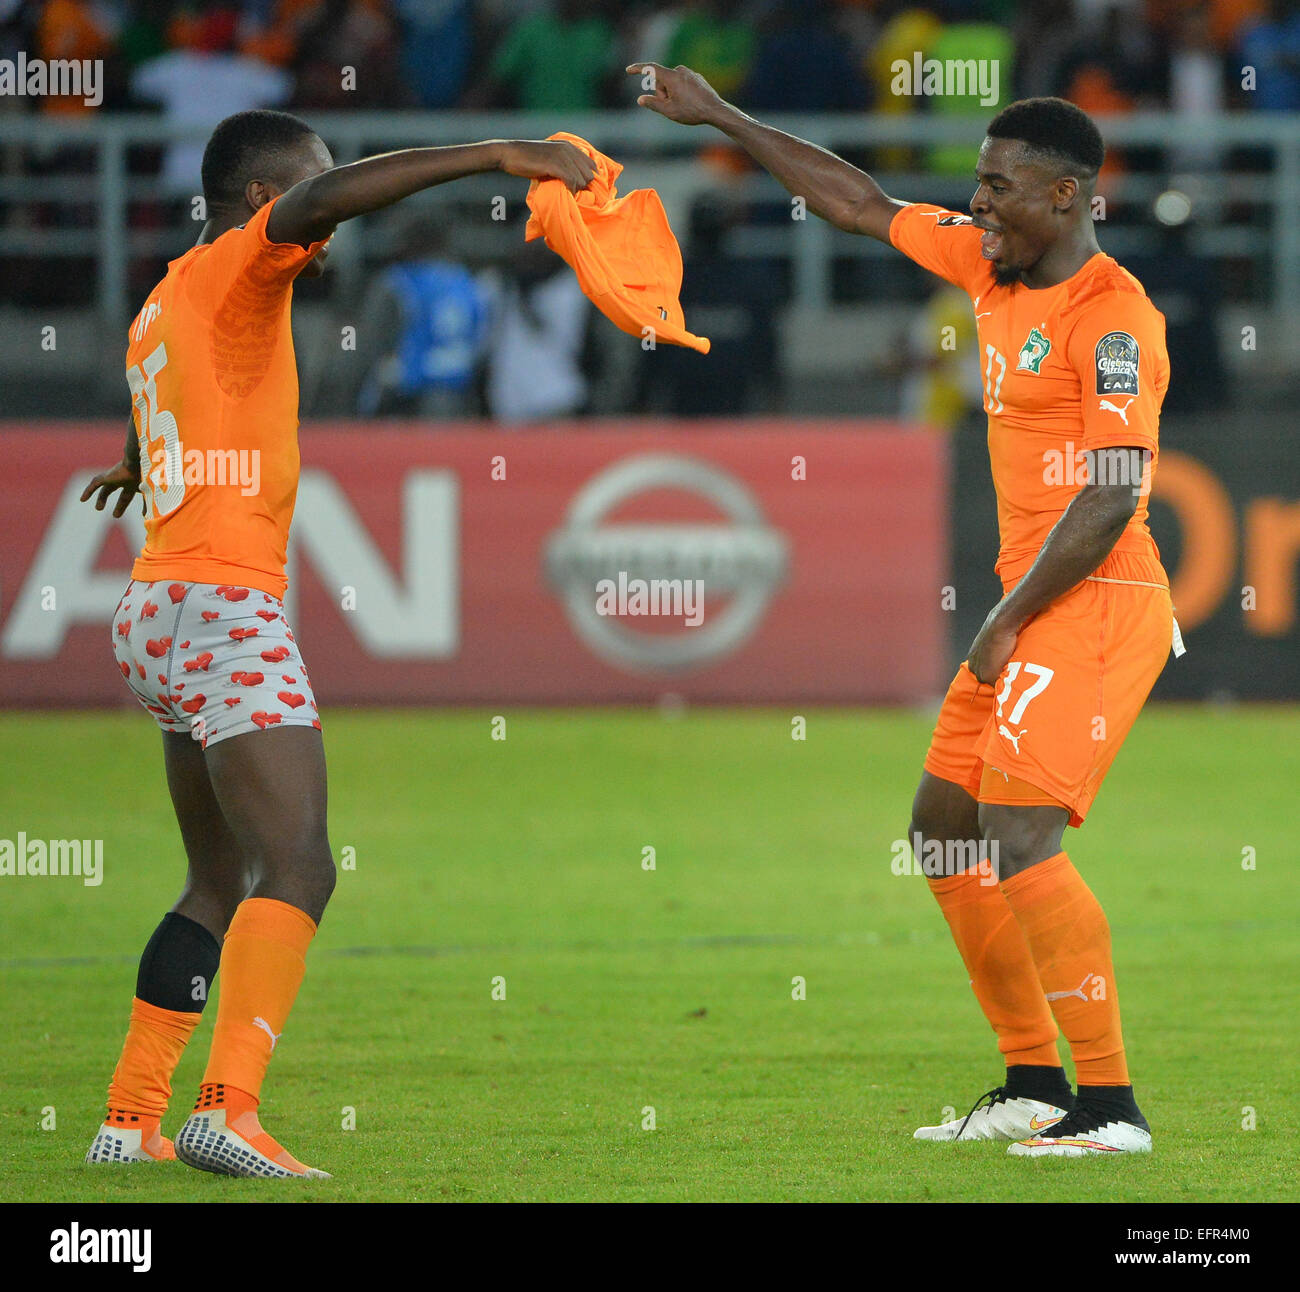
(997, 1115)
(130, 1137)
(1088, 1132)
(223, 1135)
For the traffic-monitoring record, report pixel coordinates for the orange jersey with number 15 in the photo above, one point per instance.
(214, 389)
(1069, 371)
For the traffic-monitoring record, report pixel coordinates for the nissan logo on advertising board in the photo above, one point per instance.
(736, 563)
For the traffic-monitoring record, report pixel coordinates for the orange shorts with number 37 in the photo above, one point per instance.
(1063, 705)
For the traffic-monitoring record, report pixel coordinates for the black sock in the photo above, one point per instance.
(1116, 1102)
(1033, 1081)
(178, 965)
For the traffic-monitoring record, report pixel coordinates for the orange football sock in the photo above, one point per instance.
(262, 962)
(1001, 970)
(155, 1040)
(1069, 940)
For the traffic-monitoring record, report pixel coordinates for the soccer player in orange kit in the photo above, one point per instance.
(1075, 370)
(200, 634)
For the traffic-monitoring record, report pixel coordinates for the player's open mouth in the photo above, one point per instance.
(991, 245)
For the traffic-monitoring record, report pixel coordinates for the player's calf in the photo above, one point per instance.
(262, 963)
(172, 987)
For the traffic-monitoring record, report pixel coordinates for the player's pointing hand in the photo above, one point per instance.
(677, 93)
(547, 159)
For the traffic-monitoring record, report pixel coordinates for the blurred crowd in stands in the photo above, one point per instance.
(566, 55)
(446, 332)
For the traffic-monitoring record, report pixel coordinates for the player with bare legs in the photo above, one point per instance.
(200, 634)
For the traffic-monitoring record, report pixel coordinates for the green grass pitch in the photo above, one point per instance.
(628, 988)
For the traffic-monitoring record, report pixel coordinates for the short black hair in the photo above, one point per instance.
(1055, 129)
(257, 144)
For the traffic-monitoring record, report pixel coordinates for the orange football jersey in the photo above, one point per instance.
(1068, 371)
(214, 389)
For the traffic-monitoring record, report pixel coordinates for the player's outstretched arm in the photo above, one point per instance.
(1079, 542)
(841, 194)
(311, 210)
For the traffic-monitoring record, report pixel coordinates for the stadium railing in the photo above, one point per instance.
(1251, 212)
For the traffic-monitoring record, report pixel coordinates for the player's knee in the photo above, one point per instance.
(927, 820)
(309, 881)
(299, 857)
(314, 862)
(327, 877)
(1020, 837)
(923, 832)
(217, 894)
(225, 902)
(317, 866)
(939, 816)
(937, 845)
